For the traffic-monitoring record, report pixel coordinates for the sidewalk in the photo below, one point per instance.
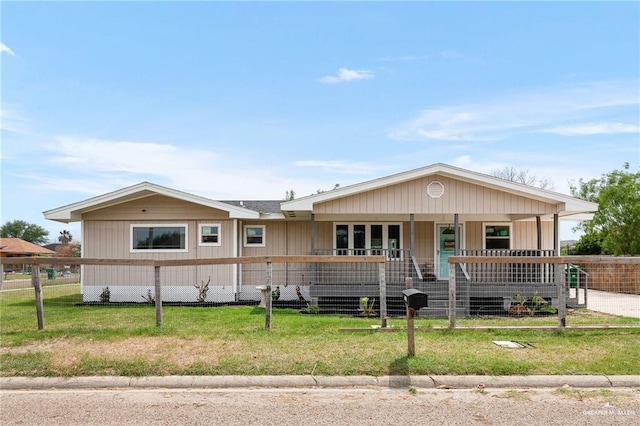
(221, 382)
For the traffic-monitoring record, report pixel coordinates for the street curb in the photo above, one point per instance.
(394, 382)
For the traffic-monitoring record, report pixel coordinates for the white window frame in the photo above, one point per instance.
(200, 234)
(264, 236)
(368, 250)
(504, 224)
(159, 225)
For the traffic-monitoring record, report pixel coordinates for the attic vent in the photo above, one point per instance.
(435, 189)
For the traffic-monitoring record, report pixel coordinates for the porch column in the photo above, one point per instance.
(539, 232)
(412, 227)
(556, 234)
(313, 233)
(456, 235)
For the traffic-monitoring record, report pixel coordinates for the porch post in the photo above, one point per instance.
(539, 232)
(412, 227)
(556, 234)
(456, 235)
(313, 233)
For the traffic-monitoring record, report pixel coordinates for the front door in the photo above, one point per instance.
(446, 246)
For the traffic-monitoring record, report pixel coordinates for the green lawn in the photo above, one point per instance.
(124, 340)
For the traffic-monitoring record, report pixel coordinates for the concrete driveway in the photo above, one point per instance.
(627, 305)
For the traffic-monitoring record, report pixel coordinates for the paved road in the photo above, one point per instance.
(320, 406)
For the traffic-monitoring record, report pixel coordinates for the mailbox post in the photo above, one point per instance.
(414, 300)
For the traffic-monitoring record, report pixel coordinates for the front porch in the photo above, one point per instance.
(482, 288)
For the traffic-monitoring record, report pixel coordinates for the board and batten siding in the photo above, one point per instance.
(281, 238)
(109, 232)
(411, 197)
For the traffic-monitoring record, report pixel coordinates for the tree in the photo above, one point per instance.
(523, 176)
(69, 250)
(291, 195)
(65, 237)
(27, 231)
(617, 221)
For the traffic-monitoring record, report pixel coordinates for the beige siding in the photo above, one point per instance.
(525, 235)
(324, 235)
(293, 238)
(112, 240)
(156, 208)
(473, 235)
(423, 240)
(411, 197)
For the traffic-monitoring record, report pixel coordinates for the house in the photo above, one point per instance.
(416, 219)
(16, 247)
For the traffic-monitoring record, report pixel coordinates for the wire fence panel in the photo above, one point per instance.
(571, 291)
(497, 291)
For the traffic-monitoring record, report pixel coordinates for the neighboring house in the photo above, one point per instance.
(408, 217)
(16, 247)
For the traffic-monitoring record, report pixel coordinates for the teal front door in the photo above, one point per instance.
(446, 247)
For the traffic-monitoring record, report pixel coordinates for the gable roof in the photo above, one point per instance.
(20, 246)
(567, 205)
(73, 212)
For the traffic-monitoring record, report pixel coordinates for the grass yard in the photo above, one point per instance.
(124, 340)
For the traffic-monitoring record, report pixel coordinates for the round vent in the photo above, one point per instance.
(435, 189)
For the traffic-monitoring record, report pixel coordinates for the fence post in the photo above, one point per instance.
(158, 296)
(37, 287)
(562, 296)
(268, 302)
(411, 331)
(452, 295)
(382, 279)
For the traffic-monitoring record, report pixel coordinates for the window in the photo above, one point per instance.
(254, 236)
(159, 238)
(497, 236)
(342, 239)
(368, 239)
(209, 234)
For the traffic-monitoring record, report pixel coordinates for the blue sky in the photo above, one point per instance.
(250, 100)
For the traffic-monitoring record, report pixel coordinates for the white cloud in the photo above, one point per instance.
(108, 165)
(592, 129)
(6, 49)
(345, 74)
(124, 156)
(530, 112)
(12, 121)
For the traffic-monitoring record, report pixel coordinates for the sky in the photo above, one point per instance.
(249, 100)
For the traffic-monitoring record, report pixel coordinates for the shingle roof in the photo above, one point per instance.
(261, 206)
(19, 246)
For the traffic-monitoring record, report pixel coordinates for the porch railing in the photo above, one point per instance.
(398, 266)
(510, 272)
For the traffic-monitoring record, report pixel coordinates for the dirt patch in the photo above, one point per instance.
(179, 352)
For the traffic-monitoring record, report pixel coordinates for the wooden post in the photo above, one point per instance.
(562, 296)
(267, 314)
(382, 279)
(158, 297)
(411, 313)
(37, 287)
(452, 295)
(411, 332)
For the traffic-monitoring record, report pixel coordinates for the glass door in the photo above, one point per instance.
(446, 247)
